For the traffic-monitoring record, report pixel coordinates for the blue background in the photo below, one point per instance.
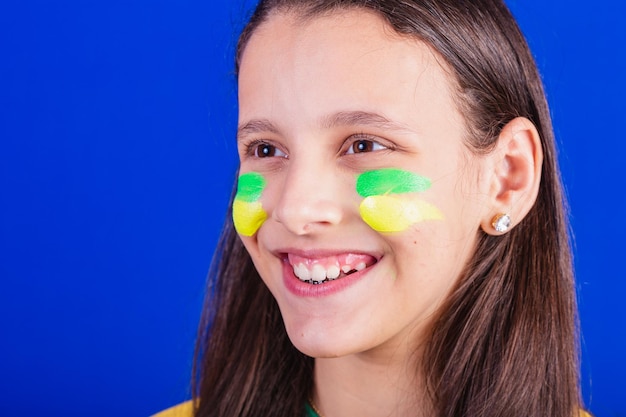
(116, 162)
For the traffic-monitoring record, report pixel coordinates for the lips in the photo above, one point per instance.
(318, 270)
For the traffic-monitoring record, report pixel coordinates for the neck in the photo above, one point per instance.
(369, 384)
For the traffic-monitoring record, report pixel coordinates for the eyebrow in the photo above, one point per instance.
(342, 118)
(256, 126)
(360, 118)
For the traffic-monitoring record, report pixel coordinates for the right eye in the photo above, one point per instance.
(265, 150)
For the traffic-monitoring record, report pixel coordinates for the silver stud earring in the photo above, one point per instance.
(501, 222)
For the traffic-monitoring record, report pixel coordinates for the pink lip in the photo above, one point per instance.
(305, 289)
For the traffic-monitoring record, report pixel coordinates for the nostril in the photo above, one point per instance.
(306, 216)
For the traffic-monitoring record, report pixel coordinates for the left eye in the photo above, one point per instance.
(364, 145)
(265, 150)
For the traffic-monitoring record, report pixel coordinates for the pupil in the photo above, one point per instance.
(266, 151)
(362, 146)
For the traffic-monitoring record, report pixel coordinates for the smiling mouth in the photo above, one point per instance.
(320, 270)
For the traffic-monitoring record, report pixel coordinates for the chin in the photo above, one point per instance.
(319, 350)
(318, 341)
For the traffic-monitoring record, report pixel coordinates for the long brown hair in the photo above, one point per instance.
(505, 342)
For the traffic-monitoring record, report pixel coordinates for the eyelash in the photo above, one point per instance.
(265, 149)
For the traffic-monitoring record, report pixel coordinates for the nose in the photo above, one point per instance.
(310, 200)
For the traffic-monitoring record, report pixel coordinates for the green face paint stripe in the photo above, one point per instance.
(390, 181)
(250, 186)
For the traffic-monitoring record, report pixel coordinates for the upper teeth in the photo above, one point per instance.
(319, 273)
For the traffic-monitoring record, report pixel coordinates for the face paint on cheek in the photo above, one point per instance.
(248, 213)
(385, 213)
(383, 210)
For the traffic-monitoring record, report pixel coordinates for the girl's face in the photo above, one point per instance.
(353, 173)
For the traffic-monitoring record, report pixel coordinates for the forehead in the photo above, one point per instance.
(361, 33)
(362, 30)
(348, 60)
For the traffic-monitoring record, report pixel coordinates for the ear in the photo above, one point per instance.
(516, 173)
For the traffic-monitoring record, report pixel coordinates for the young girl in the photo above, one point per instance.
(398, 244)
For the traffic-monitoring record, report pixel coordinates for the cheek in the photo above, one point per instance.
(396, 214)
(390, 203)
(248, 212)
(248, 217)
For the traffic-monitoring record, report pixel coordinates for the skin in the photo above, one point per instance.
(301, 85)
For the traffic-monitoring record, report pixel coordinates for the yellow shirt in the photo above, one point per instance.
(181, 410)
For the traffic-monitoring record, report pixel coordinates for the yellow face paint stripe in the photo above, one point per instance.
(248, 217)
(396, 214)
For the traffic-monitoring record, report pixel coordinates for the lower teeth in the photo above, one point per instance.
(310, 281)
